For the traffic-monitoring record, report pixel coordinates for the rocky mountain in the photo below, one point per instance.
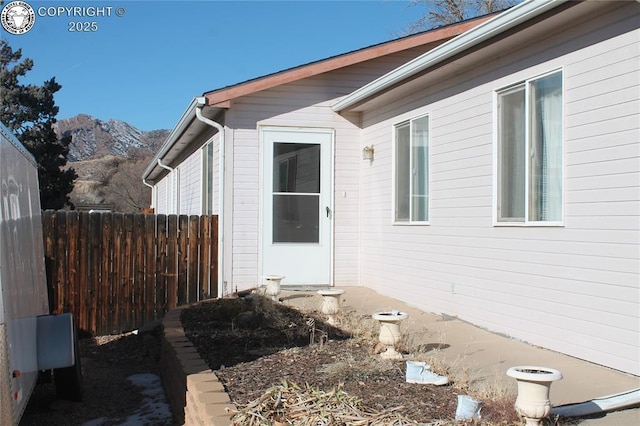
(109, 158)
(94, 138)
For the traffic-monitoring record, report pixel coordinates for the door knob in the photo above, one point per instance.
(328, 210)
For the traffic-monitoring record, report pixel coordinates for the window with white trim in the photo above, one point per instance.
(411, 170)
(207, 178)
(530, 151)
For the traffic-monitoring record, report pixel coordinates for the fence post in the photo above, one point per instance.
(151, 275)
(105, 303)
(192, 259)
(182, 254)
(161, 266)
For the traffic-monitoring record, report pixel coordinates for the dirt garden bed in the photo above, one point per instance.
(277, 362)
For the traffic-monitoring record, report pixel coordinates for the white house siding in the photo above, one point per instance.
(190, 192)
(162, 206)
(575, 288)
(305, 103)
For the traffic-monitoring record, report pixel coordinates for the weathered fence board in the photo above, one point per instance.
(115, 272)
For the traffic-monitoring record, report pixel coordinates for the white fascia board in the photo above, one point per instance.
(187, 117)
(510, 18)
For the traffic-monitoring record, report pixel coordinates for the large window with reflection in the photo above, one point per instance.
(411, 171)
(530, 150)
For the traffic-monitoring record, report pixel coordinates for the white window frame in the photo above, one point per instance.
(208, 204)
(394, 170)
(496, 153)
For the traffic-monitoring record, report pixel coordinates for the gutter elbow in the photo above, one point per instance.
(164, 166)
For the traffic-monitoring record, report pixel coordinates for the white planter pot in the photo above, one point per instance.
(390, 331)
(273, 286)
(534, 384)
(331, 304)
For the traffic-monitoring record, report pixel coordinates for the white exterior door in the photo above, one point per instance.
(297, 205)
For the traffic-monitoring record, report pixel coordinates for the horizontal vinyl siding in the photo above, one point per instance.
(579, 283)
(304, 103)
(246, 201)
(190, 172)
(162, 206)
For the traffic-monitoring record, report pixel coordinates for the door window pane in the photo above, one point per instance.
(296, 192)
(296, 218)
(296, 167)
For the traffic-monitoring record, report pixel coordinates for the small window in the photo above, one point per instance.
(412, 170)
(530, 147)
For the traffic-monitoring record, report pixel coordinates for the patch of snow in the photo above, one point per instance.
(125, 136)
(154, 409)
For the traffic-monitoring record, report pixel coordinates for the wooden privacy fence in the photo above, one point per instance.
(116, 271)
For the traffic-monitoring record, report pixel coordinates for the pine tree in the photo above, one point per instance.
(29, 111)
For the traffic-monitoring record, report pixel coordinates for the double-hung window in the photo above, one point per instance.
(530, 147)
(412, 171)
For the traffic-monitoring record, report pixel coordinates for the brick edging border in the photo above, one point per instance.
(194, 393)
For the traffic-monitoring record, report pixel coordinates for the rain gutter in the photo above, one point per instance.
(178, 130)
(488, 29)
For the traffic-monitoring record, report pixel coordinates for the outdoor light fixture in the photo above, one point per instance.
(367, 153)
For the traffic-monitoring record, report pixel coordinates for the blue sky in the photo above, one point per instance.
(146, 66)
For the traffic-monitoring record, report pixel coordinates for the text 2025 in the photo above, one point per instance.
(83, 27)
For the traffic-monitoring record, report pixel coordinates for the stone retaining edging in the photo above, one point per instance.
(194, 393)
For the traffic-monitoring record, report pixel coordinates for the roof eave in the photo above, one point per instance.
(188, 129)
(437, 35)
(187, 117)
(488, 29)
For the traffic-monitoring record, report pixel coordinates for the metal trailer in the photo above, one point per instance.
(32, 341)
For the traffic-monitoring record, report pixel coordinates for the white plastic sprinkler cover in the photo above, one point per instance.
(419, 372)
(468, 408)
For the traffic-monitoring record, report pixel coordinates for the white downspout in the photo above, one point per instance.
(221, 163)
(153, 192)
(172, 184)
(600, 405)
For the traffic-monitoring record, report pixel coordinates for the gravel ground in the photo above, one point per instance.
(120, 384)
